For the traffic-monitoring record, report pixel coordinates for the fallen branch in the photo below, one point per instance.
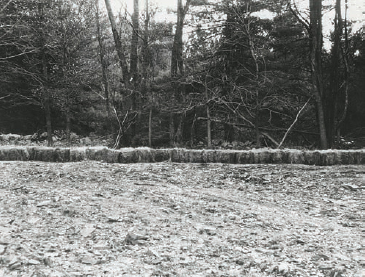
(292, 125)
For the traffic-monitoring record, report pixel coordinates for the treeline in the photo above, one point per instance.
(258, 73)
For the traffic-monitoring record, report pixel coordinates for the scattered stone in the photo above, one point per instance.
(151, 252)
(114, 219)
(209, 230)
(360, 273)
(350, 187)
(89, 260)
(2, 249)
(101, 245)
(89, 228)
(14, 263)
(74, 273)
(44, 203)
(133, 239)
(299, 241)
(5, 241)
(283, 268)
(325, 266)
(320, 257)
(33, 262)
(341, 257)
(47, 261)
(337, 272)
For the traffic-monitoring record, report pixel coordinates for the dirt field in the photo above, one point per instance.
(167, 219)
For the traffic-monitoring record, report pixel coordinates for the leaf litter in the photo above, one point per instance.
(169, 219)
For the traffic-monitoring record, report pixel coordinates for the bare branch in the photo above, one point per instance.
(18, 55)
(301, 19)
(3, 8)
(292, 125)
(236, 112)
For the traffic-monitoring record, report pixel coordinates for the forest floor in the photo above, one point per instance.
(167, 219)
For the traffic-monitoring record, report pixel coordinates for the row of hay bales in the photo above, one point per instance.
(135, 155)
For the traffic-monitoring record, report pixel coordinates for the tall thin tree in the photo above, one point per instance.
(177, 65)
(104, 65)
(118, 45)
(316, 47)
(45, 89)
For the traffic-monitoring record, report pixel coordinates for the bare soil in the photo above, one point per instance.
(166, 219)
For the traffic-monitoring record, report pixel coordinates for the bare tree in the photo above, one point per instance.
(46, 97)
(104, 65)
(118, 45)
(177, 65)
(314, 29)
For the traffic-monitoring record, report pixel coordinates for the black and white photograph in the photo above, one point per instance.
(182, 138)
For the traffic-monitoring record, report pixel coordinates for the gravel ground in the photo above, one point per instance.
(166, 219)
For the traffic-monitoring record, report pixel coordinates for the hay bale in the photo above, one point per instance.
(312, 158)
(361, 156)
(187, 156)
(344, 157)
(112, 156)
(178, 155)
(160, 155)
(330, 157)
(255, 156)
(43, 154)
(295, 156)
(144, 155)
(61, 155)
(194, 156)
(264, 156)
(11, 153)
(101, 154)
(31, 152)
(77, 154)
(225, 156)
(280, 157)
(208, 156)
(131, 155)
(354, 157)
(97, 153)
(128, 155)
(244, 157)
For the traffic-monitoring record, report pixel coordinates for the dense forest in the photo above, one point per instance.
(222, 74)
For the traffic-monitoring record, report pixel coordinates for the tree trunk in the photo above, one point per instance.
(209, 122)
(150, 128)
(345, 52)
(118, 45)
(104, 68)
(47, 108)
(145, 50)
(46, 94)
(172, 130)
(253, 52)
(134, 67)
(209, 128)
(257, 129)
(68, 123)
(315, 7)
(177, 65)
(179, 131)
(192, 131)
(134, 43)
(333, 95)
